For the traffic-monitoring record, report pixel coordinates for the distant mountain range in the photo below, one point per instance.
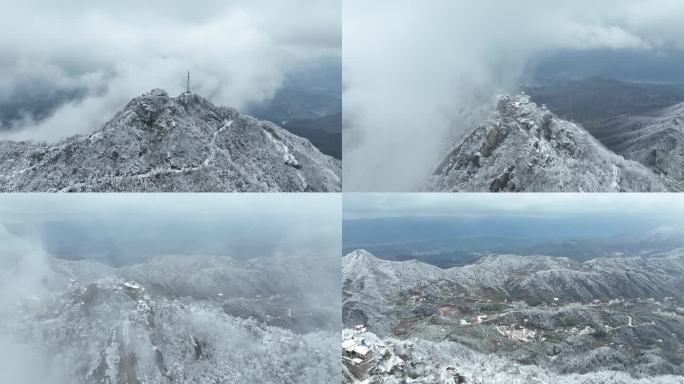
(455, 250)
(534, 279)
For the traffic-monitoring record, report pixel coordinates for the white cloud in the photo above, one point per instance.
(23, 266)
(417, 74)
(238, 52)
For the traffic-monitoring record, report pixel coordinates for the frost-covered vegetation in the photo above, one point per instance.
(426, 362)
(523, 147)
(515, 318)
(169, 320)
(181, 144)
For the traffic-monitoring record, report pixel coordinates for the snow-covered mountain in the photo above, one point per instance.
(370, 283)
(545, 317)
(141, 324)
(527, 278)
(421, 361)
(174, 144)
(523, 147)
(655, 139)
(205, 276)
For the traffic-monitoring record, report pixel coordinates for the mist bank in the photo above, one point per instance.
(57, 81)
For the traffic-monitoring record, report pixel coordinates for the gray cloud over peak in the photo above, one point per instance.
(417, 74)
(108, 52)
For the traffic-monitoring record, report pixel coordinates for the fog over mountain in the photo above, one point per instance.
(135, 303)
(56, 80)
(414, 87)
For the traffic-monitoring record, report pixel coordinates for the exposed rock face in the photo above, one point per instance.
(174, 144)
(526, 148)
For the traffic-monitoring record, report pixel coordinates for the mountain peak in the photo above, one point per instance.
(360, 254)
(156, 105)
(359, 260)
(525, 147)
(172, 144)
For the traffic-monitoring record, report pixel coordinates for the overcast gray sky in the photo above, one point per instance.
(110, 51)
(130, 227)
(228, 207)
(416, 74)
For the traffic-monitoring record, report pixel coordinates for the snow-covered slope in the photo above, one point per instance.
(512, 318)
(139, 324)
(524, 147)
(425, 362)
(162, 143)
(205, 276)
(655, 140)
(371, 283)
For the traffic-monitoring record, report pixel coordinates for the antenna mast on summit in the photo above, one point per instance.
(187, 88)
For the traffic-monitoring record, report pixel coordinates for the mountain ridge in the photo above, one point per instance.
(513, 277)
(523, 147)
(172, 144)
(576, 322)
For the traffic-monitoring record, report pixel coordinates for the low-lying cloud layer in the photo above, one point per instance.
(95, 56)
(417, 75)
